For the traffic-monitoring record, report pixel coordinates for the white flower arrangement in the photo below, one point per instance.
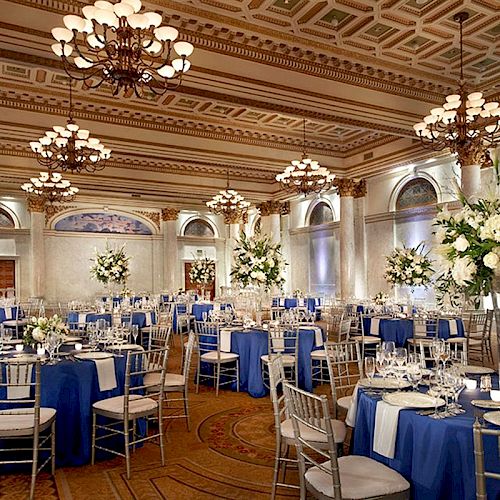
(258, 262)
(202, 272)
(111, 266)
(408, 267)
(468, 247)
(37, 329)
(380, 298)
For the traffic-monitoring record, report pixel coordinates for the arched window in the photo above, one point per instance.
(200, 228)
(321, 214)
(416, 193)
(6, 219)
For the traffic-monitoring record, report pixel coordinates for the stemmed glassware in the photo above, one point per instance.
(51, 342)
(135, 332)
(370, 368)
(436, 390)
(400, 358)
(414, 374)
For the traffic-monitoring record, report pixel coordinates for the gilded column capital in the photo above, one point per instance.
(233, 218)
(360, 189)
(270, 208)
(285, 208)
(169, 214)
(36, 204)
(345, 186)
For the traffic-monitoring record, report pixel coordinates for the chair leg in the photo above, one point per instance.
(217, 380)
(276, 466)
(127, 447)
(94, 418)
(160, 432)
(237, 375)
(34, 467)
(186, 407)
(53, 447)
(198, 375)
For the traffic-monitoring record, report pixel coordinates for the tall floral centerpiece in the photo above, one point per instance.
(202, 273)
(408, 267)
(469, 248)
(111, 267)
(258, 262)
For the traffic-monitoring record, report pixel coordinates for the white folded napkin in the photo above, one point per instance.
(216, 306)
(350, 419)
(149, 318)
(82, 318)
(386, 429)
(106, 373)
(281, 302)
(318, 334)
(9, 313)
(453, 327)
(225, 339)
(375, 326)
(19, 373)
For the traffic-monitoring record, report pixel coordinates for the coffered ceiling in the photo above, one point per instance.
(359, 72)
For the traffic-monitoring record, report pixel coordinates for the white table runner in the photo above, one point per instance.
(350, 419)
(453, 327)
(375, 326)
(19, 373)
(386, 429)
(106, 374)
(318, 334)
(225, 339)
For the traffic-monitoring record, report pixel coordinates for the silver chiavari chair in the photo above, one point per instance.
(121, 411)
(481, 473)
(26, 419)
(322, 473)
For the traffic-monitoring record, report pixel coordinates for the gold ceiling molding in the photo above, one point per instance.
(52, 210)
(169, 213)
(154, 217)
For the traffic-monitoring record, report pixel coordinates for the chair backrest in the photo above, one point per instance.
(344, 330)
(283, 339)
(139, 364)
(276, 379)
(481, 473)
(159, 336)
(475, 324)
(188, 355)
(208, 335)
(425, 326)
(344, 368)
(310, 412)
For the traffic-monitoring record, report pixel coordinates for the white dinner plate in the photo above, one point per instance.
(412, 400)
(7, 347)
(94, 355)
(71, 340)
(12, 341)
(126, 347)
(21, 358)
(493, 417)
(380, 383)
(478, 370)
(486, 403)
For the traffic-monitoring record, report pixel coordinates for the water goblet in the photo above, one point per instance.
(135, 332)
(369, 368)
(414, 374)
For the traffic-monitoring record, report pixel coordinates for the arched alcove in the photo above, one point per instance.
(6, 219)
(415, 191)
(199, 227)
(320, 213)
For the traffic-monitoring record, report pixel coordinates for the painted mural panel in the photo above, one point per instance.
(5, 219)
(102, 222)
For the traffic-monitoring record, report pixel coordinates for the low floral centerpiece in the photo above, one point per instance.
(380, 298)
(202, 272)
(408, 267)
(258, 262)
(37, 329)
(111, 266)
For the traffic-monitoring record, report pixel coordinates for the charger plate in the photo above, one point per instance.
(493, 417)
(94, 355)
(417, 400)
(380, 383)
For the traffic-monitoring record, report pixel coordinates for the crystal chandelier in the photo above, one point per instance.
(50, 187)
(229, 203)
(117, 44)
(466, 124)
(70, 148)
(305, 176)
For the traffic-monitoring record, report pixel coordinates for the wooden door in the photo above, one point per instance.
(191, 286)
(7, 275)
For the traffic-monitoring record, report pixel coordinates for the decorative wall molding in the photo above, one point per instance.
(169, 214)
(154, 217)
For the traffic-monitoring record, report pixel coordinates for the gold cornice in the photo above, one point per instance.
(345, 186)
(169, 213)
(36, 204)
(271, 207)
(360, 189)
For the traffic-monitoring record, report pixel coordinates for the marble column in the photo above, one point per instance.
(471, 179)
(345, 188)
(270, 219)
(285, 245)
(232, 222)
(36, 208)
(170, 250)
(361, 274)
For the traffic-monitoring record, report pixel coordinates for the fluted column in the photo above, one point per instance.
(347, 257)
(232, 222)
(361, 276)
(170, 249)
(270, 219)
(285, 244)
(37, 247)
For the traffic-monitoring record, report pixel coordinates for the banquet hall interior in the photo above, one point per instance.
(249, 249)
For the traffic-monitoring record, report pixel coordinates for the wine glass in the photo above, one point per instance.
(370, 368)
(135, 332)
(382, 363)
(436, 390)
(414, 375)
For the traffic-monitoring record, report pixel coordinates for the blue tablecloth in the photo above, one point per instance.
(197, 311)
(291, 303)
(435, 456)
(251, 345)
(139, 318)
(71, 388)
(8, 313)
(400, 330)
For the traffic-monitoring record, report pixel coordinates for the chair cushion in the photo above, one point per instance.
(21, 421)
(457, 340)
(225, 357)
(366, 340)
(114, 406)
(171, 379)
(318, 354)
(345, 402)
(12, 323)
(286, 359)
(338, 427)
(360, 477)
(421, 340)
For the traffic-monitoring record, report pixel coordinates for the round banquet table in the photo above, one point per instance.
(139, 318)
(197, 311)
(435, 456)
(71, 387)
(400, 330)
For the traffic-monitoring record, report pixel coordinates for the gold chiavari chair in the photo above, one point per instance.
(26, 419)
(122, 411)
(322, 473)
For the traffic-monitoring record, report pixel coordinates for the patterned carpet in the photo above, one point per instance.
(228, 454)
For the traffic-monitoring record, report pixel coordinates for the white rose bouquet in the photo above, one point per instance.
(111, 266)
(258, 262)
(37, 329)
(408, 267)
(202, 272)
(380, 298)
